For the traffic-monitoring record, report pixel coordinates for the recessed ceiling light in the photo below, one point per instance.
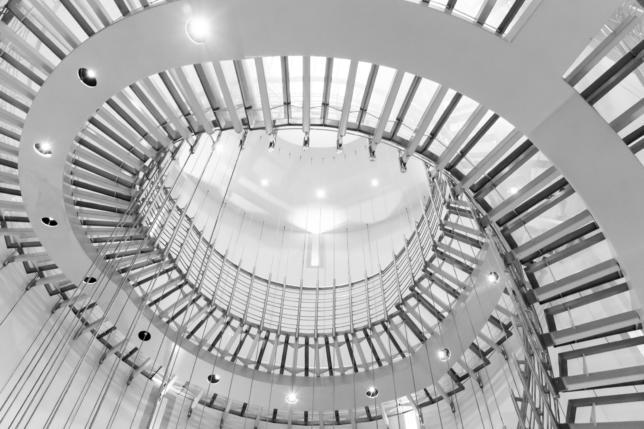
(144, 336)
(291, 398)
(375, 182)
(43, 149)
(264, 182)
(444, 354)
(514, 190)
(87, 76)
(198, 29)
(492, 277)
(214, 378)
(372, 392)
(49, 221)
(320, 193)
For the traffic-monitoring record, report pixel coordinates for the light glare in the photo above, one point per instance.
(444, 354)
(372, 392)
(320, 193)
(493, 277)
(198, 29)
(291, 398)
(43, 149)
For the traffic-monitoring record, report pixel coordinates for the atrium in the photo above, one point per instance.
(375, 214)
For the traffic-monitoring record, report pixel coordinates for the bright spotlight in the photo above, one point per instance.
(375, 182)
(291, 398)
(320, 194)
(372, 392)
(44, 149)
(198, 29)
(264, 182)
(444, 354)
(493, 277)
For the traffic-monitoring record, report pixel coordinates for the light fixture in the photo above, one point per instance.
(492, 277)
(49, 221)
(291, 398)
(88, 76)
(402, 161)
(320, 193)
(198, 29)
(513, 190)
(444, 354)
(264, 182)
(372, 392)
(214, 378)
(372, 151)
(43, 149)
(306, 141)
(144, 336)
(375, 182)
(338, 145)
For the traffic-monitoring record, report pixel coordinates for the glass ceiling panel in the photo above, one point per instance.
(338, 87)
(455, 122)
(441, 108)
(536, 165)
(273, 72)
(295, 68)
(70, 24)
(589, 257)
(166, 99)
(549, 219)
(424, 94)
(318, 72)
(487, 143)
(362, 76)
(378, 95)
(254, 101)
(500, 10)
(613, 81)
(196, 89)
(230, 75)
(474, 11)
(469, 8)
(400, 98)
